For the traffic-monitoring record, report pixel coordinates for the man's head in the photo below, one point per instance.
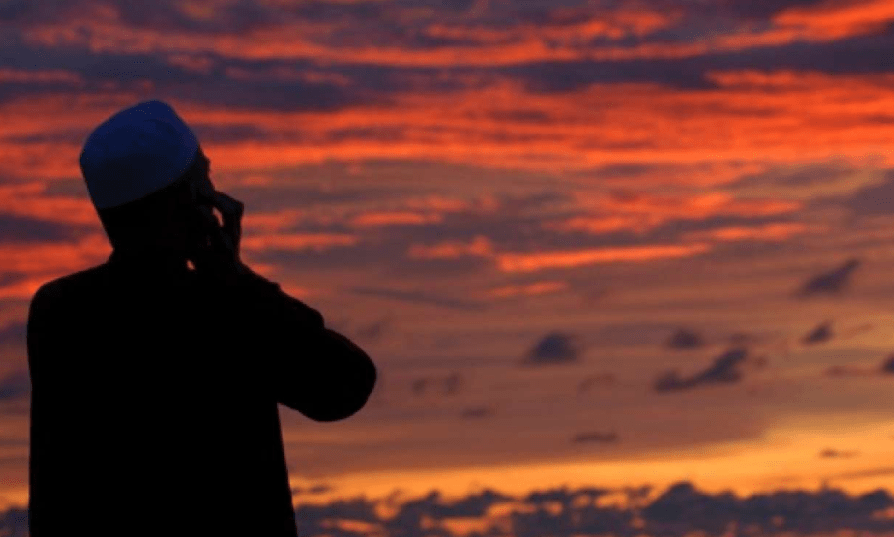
(147, 176)
(165, 222)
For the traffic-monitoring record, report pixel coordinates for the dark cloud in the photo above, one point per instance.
(230, 17)
(684, 339)
(331, 12)
(679, 511)
(101, 72)
(862, 54)
(15, 332)
(316, 489)
(725, 369)
(361, 24)
(14, 522)
(888, 365)
(873, 200)
(830, 282)
(872, 472)
(554, 348)
(857, 55)
(15, 385)
(19, 229)
(314, 518)
(678, 507)
(564, 496)
(754, 9)
(11, 278)
(600, 437)
(682, 510)
(11, 10)
(23, 13)
(565, 76)
(820, 334)
(538, 117)
(237, 17)
(270, 94)
(452, 383)
(836, 454)
(222, 133)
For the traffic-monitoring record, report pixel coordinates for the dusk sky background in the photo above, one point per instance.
(638, 249)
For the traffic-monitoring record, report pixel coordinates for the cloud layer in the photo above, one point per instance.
(679, 510)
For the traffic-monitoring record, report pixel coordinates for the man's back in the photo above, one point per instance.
(154, 402)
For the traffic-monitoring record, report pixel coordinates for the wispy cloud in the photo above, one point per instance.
(724, 370)
(830, 282)
(418, 297)
(684, 339)
(554, 348)
(820, 334)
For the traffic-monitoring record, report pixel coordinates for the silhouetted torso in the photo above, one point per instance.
(154, 401)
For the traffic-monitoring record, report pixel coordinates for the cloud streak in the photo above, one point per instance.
(724, 370)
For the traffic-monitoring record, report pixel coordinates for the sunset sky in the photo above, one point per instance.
(598, 244)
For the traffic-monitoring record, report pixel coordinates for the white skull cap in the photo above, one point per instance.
(137, 151)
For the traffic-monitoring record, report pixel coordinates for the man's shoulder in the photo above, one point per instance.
(65, 285)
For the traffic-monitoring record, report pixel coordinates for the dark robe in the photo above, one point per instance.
(154, 400)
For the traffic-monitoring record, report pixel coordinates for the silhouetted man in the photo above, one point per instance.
(155, 383)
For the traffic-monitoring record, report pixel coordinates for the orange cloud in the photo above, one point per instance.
(754, 119)
(479, 246)
(512, 262)
(29, 200)
(24, 289)
(641, 212)
(47, 261)
(447, 204)
(567, 25)
(414, 211)
(298, 241)
(566, 35)
(837, 19)
(100, 30)
(269, 222)
(769, 232)
(56, 75)
(423, 210)
(532, 289)
(391, 218)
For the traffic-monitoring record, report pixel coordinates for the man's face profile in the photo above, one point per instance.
(185, 225)
(169, 222)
